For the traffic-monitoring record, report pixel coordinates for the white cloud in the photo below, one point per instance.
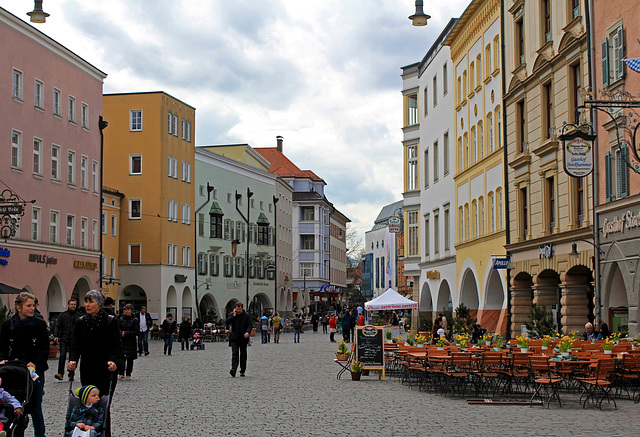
(324, 74)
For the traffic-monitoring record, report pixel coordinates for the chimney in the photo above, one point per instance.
(279, 140)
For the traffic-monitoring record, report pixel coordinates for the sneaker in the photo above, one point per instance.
(146, 353)
(232, 373)
(120, 376)
(242, 374)
(127, 378)
(58, 376)
(3, 433)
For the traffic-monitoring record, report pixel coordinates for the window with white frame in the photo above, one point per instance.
(445, 153)
(228, 229)
(35, 223)
(201, 263)
(172, 121)
(492, 212)
(71, 167)
(54, 220)
(436, 170)
(239, 267)
(17, 84)
(461, 223)
(186, 171)
(186, 214)
(95, 235)
(445, 225)
(173, 167)
(84, 224)
(114, 225)
(103, 223)
(135, 164)
(435, 90)
(85, 115)
(481, 201)
(38, 94)
(425, 95)
(37, 156)
(84, 163)
(500, 211)
(412, 168)
(135, 120)
(307, 242)
(16, 150)
(436, 232)
(72, 109)
(227, 266)
(172, 254)
(57, 102)
(94, 176)
(427, 236)
(612, 56)
(414, 237)
(214, 264)
(135, 209)
(55, 162)
(444, 80)
(186, 256)
(251, 267)
(172, 211)
(186, 130)
(71, 224)
(240, 231)
(481, 139)
(412, 109)
(427, 163)
(135, 253)
(112, 269)
(306, 269)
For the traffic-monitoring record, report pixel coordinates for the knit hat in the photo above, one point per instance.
(83, 392)
(95, 295)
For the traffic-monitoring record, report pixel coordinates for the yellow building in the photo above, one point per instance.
(479, 166)
(149, 155)
(111, 199)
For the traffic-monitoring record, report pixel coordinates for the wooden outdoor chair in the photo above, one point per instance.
(546, 381)
(599, 387)
(489, 373)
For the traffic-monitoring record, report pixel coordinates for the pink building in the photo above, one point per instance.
(616, 26)
(50, 105)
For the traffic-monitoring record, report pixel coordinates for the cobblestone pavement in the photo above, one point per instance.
(291, 389)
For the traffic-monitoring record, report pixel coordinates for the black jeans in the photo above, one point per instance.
(64, 349)
(129, 367)
(239, 355)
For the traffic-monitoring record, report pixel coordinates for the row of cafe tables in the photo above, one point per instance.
(537, 374)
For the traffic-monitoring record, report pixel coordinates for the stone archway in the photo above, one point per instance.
(494, 310)
(521, 294)
(547, 293)
(617, 305)
(228, 309)
(577, 301)
(172, 301)
(259, 304)
(209, 309)
(187, 304)
(425, 304)
(133, 294)
(469, 295)
(444, 297)
(80, 288)
(55, 299)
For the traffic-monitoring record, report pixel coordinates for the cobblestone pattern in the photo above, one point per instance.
(291, 389)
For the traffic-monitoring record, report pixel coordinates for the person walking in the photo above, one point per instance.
(107, 306)
(62, 335)
(168, 329)
(129, 326)
(297, 327)
(325, 322)
(97, 344)
(346, 327)
(24, 337)
(264, 328)
(352, 328)
(185, 333)
(146, 323)
(276, 323)
(314, 322)
(332, 327)
(241, 326)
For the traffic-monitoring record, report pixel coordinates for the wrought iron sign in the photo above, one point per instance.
(11, 211)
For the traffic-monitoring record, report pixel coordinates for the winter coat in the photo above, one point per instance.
(25, 340)
(64, 326)
(185, 329)
(6, 398)
(169, 327)
(130, 326)
(239, 325)
(93, 416)
(94, 348)
(147, 316)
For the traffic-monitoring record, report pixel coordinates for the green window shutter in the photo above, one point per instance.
(619, 50)
(624, 172)
(604, 45)
(607, 175)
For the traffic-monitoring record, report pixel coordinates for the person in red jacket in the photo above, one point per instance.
(333, 327)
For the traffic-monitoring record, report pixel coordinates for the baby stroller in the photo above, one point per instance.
(75, 403)
(16, 380)
(197, 339)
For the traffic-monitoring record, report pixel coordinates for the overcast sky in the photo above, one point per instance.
(324, 74)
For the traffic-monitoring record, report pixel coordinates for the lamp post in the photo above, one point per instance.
(246, 219)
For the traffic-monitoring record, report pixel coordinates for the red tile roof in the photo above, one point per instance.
(282, 166)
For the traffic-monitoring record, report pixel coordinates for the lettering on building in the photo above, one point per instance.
(545, 251)
(628, 220)
(42, 259)
(85, 265)
(4, 253)
(433, 274)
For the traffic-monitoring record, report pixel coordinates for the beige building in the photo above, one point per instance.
(546, 71)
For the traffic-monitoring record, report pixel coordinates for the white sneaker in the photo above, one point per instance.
(126, 377)
(120, 376)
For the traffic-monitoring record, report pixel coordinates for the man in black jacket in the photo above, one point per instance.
(241, 326)
(62, 335)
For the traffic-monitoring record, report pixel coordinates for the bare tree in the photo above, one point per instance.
(355, 246)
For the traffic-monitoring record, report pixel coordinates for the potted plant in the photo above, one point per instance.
(523, 342)
(564, 344)
(410, 340)
(546, 341)
(498, 342)
(608, 344)
(396, 339)
(420, 340)
(440, 343)
(343, 351)
(462, 340)
(388, 335)
(356, 370)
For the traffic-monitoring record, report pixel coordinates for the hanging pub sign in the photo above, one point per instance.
(577, 151)
(395, 225)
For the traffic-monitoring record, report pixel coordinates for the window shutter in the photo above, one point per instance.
(624, 172)
(619, 50)
(607, 175)
(604, 45)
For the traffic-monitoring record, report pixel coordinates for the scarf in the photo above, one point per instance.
(93, 323)
(20, 324)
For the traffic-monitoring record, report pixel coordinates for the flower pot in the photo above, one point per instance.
(524, 350)
(544, 348)
(53, 351)
(440, 348)
(420, 345)
(356, 376)
(564, 354)
(342, 357)
(497, 349)
(607, 351)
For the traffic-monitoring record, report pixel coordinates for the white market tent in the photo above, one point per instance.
(390, 300)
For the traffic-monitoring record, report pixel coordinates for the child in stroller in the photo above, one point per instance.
(86, 412)
(7, 402)
(17, 385)
(197, 339)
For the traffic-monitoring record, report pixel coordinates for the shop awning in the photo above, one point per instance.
(8, 289)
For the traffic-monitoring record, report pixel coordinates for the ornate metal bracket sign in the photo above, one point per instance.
(11, 211)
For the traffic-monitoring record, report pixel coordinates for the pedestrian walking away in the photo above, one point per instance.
(325, 322)
(297, 327)
(314, 322)
(241, 326)
(264, 328)
(62, 335)
(129, 326)
(277, 328)
(24, 337)
(168, 328)
(97, 344)
(185, 333)
(346, 326)
(146, 323)
(332, 327)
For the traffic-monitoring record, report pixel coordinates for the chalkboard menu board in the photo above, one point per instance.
(369, 349)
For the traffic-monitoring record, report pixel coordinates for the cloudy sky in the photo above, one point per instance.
(324, 74)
